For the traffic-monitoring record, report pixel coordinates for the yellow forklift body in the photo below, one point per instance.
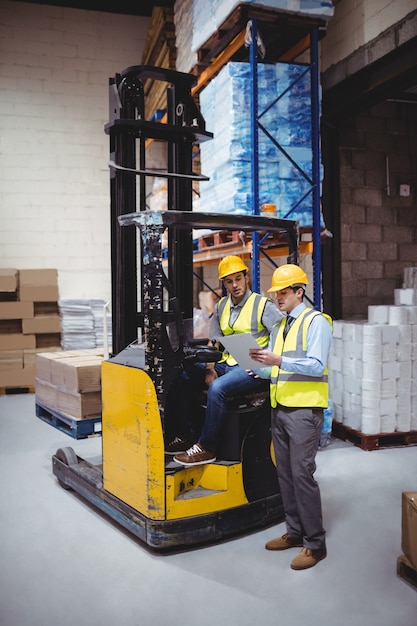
(133, 446)
(212, 488)
(133, 455)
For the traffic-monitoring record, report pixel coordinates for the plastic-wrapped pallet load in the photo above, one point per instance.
(285, 114)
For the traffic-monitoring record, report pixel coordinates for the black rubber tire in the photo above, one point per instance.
(67, 456)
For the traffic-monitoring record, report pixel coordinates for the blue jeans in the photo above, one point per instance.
(181, 406)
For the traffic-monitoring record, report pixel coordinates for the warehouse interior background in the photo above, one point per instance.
(56, 61)
(56, 64)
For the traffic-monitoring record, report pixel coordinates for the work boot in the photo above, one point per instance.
(284, 542)
(308, 558)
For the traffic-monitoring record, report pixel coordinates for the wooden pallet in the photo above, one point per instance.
(226, 238)
(374, 442)
(9, 391)
(220, 238)
(285, 35)
(406, 571)
(76, 428)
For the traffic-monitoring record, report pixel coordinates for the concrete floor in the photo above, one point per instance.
(64, 563)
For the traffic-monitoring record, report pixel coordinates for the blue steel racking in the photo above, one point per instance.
(315, 141)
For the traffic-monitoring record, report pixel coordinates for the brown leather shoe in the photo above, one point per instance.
(308, 558)
(283, 543)
(196, 455)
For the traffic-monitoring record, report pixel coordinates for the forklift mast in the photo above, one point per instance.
(129, 131)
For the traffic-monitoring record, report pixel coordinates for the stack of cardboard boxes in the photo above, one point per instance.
(29, 322)
(407, 562)
(69, 382)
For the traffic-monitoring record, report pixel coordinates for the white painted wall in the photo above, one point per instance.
(54, 178)
(356, 23)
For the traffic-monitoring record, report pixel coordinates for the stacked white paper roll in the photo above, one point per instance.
(397, 315)
(373, 367)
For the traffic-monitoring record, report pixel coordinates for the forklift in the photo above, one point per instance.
(164, 504)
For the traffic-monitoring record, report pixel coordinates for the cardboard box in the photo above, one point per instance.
(15, 341)
(44, 361)
(42, 324)
(16, 310)
(46, 394)
(38, 285)
(46, 308)
(82, 375)
(18, 378)
(409, 526)
(29, 357)
(57, 371)
(43, 366)
(39, 294)
(50, 368)
(38, 277)
(10, 327)
(8, 280)
(52, 350)
(79, 405)
(11, 359)
(49, 341)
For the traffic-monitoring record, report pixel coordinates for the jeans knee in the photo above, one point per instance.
(216, 391)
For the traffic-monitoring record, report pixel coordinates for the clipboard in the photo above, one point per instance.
(238, 345)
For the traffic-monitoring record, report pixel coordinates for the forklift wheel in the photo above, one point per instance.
(67, 456)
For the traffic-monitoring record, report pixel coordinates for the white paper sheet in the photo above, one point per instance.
(238, 345)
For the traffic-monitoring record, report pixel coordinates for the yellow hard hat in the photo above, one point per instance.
(231, 265)
(287, 276)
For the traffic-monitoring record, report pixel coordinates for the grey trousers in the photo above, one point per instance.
(295, 435)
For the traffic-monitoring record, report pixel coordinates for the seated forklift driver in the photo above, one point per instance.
(240, 311)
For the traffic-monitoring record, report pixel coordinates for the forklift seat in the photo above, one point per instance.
(241, 412)
(243, 401)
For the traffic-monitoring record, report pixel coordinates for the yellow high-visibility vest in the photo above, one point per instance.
(249, 320)
(289, 388)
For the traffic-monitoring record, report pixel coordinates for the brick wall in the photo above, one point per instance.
(54, 177)
(356, 23)
(378, 231)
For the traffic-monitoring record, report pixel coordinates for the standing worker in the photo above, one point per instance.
(297, 360)
(240, 311)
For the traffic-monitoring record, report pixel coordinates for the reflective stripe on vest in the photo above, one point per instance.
(291, 389)
(249, 320)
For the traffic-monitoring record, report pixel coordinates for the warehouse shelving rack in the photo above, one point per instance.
(257, 126)
(288, 37)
